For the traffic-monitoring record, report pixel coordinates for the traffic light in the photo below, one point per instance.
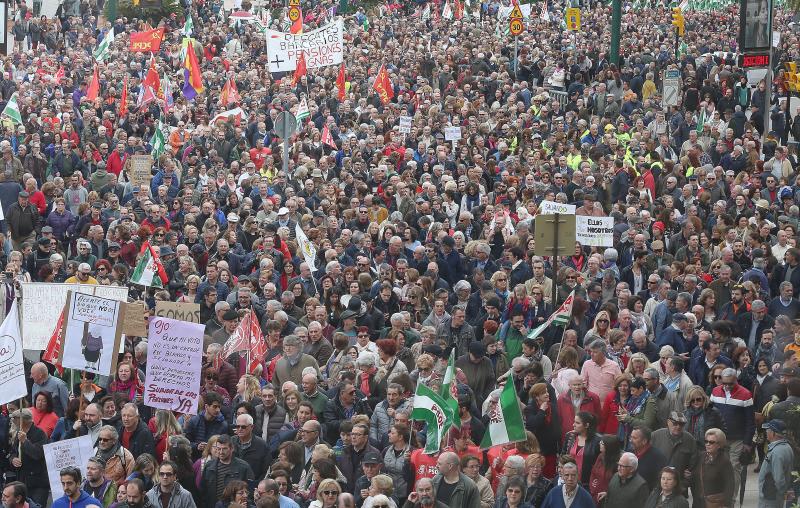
(677, 21)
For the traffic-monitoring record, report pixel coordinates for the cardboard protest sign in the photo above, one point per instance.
(69, 452)
(140, 168)
(320, 48)
(42, 303)
(174, 364)
(92, 333)
(179, 310)
(133, 322)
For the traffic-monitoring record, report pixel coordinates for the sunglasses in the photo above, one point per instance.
(165, 474)
(708, 441)
(330, 493)
(697, 399)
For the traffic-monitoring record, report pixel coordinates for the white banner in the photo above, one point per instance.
(174, 362)
(321, 47)
(12, 371)
(452, 133)
(551, 207)
(594, 231)
(405, 125)
(42, 303)
(69, 452)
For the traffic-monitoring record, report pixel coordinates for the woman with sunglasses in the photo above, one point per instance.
(712, 479)
(700, 414)
(327, 494)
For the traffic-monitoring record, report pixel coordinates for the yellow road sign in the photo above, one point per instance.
(515, 27)
(573, 16)
(294, 13)
(516, 13)
(294, 3)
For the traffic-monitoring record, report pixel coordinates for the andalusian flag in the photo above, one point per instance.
(157, 142)
(188, 27)
(12, 109)
(505, 420)
(430, 408)
(701, 120)
(149, 270)
(306, 247)
(560, 317)
(103, 50)
(302, 113)
(449, 391)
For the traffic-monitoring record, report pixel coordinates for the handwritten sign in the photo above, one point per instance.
(69, 452)
(43, 302)
(180, 311)
(139, 171)
(594, 231)
(551, 207)
(174, 362)
(134, 323)
(405, 125)
(320, 48)
(12, 371)
(91, 333)
(452, 133)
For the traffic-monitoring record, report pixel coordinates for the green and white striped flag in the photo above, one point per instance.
(429, 407)
(447, 11)
(701, 120)
(149, 271)
(426, 12)
(449, 390)
(157, 142)
(188, 26)
(560, 317)
(103, 50)
(12, 109)
(505, 420)
(302, 114)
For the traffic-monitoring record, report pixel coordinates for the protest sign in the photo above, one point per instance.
(320, 48)
(405, 125)
(74, 452)
(42, 303)
(551, 207)
(91, 333)
(174, 362)
(452, 133)
(12, 371)
(133, 321)
(140, 168)
(594, 231)
(179, 310)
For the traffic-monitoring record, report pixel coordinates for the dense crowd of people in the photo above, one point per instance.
(676, 373)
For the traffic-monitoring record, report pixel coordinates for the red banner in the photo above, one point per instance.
(383, 85)
(149, 41)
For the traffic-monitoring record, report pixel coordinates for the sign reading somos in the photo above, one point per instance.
(321, 47)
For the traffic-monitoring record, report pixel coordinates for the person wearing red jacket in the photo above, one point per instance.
(577, 397)
(614, 400)
(116, 161)
(36, 196)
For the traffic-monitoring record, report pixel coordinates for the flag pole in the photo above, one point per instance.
(19, 443)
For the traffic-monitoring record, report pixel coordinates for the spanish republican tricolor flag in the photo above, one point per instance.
(383, 85)
(147, 41)
(191, 72)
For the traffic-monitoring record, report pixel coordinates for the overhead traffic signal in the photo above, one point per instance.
(678, 21)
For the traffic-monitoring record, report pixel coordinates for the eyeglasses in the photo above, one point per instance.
(240, 426)
(697, 399)
(501, 279)
(357, 434)
(165, 474)
(709, 441)
(330, 493)
(105, 439)
(623, 465)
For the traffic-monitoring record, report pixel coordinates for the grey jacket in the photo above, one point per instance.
(779, 464)
(465, 494)
(181, 498)
(381, 421)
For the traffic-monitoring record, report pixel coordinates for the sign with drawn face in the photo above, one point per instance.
(91, 333)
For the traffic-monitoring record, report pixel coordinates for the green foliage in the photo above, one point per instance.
(153, 15)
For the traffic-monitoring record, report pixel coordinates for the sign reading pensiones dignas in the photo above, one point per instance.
(320, 48)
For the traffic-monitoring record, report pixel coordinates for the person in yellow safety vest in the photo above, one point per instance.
(574, 158)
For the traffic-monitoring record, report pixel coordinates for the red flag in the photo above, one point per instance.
(149, 40)
(123, 100)
(297, 25)
(301, 69)
(383, 85)
(59, 75)
(94, 86)
(327, 138)
(341, 82)
(246, 337)
(52, 353)
(152, 79)
(230, 94)
(146, 96)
